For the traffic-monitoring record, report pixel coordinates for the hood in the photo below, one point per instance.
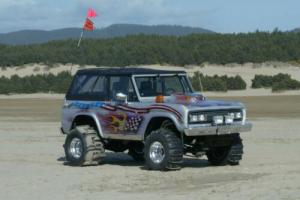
(198, 100)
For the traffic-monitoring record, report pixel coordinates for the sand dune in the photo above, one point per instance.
(246, 71)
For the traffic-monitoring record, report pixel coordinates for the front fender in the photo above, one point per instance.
(177, 122)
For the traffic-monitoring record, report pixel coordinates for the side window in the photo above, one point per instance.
(100, 88)
(172, 85)
(88, 87)
(122, 84)
(186, 84)
(149, 86)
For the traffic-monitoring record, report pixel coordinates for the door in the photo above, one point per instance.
(121, 121)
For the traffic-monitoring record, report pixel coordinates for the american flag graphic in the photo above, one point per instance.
(133, 123)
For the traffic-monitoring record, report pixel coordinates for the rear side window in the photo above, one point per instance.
(88, 87)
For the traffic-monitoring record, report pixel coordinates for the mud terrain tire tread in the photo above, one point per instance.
(93, 148)
(232, 156)
(173, 150)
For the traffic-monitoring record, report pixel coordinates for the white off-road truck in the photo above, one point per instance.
(154, 115)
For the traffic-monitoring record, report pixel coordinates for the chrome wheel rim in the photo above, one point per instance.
(157, 152)
(75, 148)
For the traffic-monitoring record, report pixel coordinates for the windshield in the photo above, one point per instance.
(150, 86)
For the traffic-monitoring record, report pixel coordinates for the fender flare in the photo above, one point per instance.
(166, 115)
(94, 118)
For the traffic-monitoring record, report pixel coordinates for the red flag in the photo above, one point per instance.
(88, 25)
(91, 13)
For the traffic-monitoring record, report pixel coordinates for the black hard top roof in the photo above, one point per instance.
(126, 71)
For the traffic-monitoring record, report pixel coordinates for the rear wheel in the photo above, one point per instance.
(163, 150)
(231, 155)
(83, 147)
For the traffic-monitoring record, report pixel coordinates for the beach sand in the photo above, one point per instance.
(32, 159)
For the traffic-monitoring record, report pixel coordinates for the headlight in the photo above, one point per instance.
(229, 119)
(216, 117)
(218, 120)
(236, 115)
(198, 118)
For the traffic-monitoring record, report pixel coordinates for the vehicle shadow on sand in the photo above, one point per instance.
(122, 159)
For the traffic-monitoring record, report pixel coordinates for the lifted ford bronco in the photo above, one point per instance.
(153, 114)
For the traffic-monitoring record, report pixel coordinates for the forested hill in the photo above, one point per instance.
(116, 30)
(142, 49)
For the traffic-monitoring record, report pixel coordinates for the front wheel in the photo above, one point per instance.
(163, 150)
(231, 154)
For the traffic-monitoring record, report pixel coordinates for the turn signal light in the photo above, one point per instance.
(159, 99)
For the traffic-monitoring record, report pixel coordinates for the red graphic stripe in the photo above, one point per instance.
(109, 107)
(143, 110)
(134, 110)
(130, 109)
(155, 106)
(164, 106)
(167, 109)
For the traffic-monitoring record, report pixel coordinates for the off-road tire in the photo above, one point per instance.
(92, 147)
(229, 155)
(173, 150)
(136, 151)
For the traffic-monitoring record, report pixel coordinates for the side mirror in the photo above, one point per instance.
(121, 97)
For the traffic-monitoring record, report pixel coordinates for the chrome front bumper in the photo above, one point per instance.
(217, 130)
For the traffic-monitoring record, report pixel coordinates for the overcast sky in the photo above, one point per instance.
(217, 15)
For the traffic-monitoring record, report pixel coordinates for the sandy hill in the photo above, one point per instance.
(246, 71)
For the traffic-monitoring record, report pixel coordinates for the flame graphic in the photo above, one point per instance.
(118, 124)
